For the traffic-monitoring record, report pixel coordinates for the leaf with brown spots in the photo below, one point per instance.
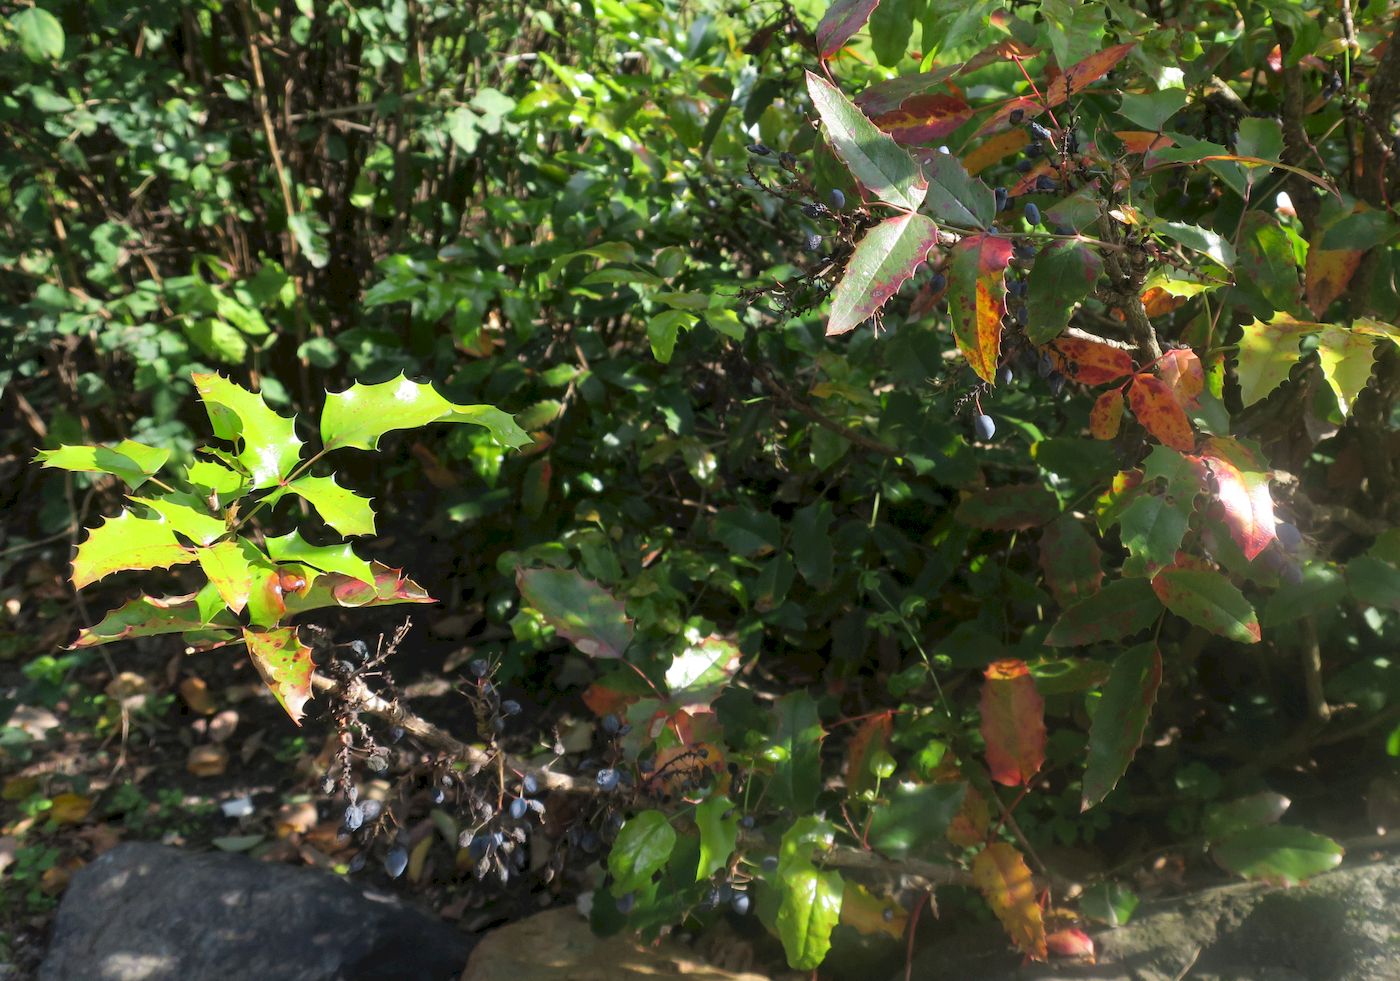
(1107, 414)
(1155, 406)
(1210, 601)
(1005, 883)
(1327, 274)
(921, 118)
(883, 260)
(1183, 374)
(285, 665)
(1013, 723)
(1014, 507)
(1088, 362)
(977, 294)
(1070, 560)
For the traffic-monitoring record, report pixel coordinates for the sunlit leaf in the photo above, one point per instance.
(1089, 362)
(149, 616)
(1267, 353)
(1254, 811)
(1327, 274)
(1074, 80)
(718, 823)
(1064, 275)
(880, 164)
(1118, 610)
(810, 910)
(914, 817)
(1013, 723)
(1181, 371)
(956, 197)
(701, 671)
(1278, 853)
(1347, 357)
(229, 569)
(269, 447)
(871, 736)
(641, 848)
(285, 665)
(1156, 408)
(360, 415)
(390, 587)
(872, 915)
(580, 610)
(339, 507)
(1243, 493)
(883, 261)
(977, 296)
(1210, 601)
(127, 542)
(1106, 416)
(843, 18)
(291, 547)
(1005, 882)
(186, 515)
(133, 462)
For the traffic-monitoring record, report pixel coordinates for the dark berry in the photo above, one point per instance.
(1032, 213)
(984, 426)
(787, 160)
(1016, 116)
(1024, 166)
(359, 650)
(1024, 250)
(1038, 131)
(625, 902)
(480, 667)
(1034, 150)
(510, 707)
(758, 149)
(529, 785)
(1288, 537)
(1005, 376)
(747, 822)
(837, 198)
(1045, 367)
(396, 861)
(519, 808)
(1044, 183)
(354, 817)
(395, 733)
(371, 809)
(1057, 384)
(611, 724)
(770, 863)
(740, 903)
(357, 863)
(1001, 198)
(607, 779)
(937, 282)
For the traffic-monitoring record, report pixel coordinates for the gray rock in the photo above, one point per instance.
(148, 912)
(1340, 926)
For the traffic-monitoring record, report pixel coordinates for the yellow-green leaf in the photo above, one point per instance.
(127, 542)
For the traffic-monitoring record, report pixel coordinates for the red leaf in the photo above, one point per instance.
(889, 95)
(872, 736)
(1107, 414)
(840, 23)
(922, 118)
(1182, 372)
(1327, 275)
(1005, 882)
(882, 262)
(1244, 496)
(602, 700)
(1071, 942)
(977, 294)
(1089, 363)
(1070, 560)
(1001, 51)
(1074, 81)
(1013, 723)
(1160, 413)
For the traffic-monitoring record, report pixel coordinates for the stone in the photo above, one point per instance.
(149, 912)
(558, 945)
(1341, 924)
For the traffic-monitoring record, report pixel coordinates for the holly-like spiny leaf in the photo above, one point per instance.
(701, 671)
(1064, 275)
(1327, 274)
(1070, 560)
(285, 665)
(187, 515)
(291, 547)
(1278, 853)
(843, 18)
(1243, 493)
(1013, 723)
(1267, 352)
(1180, 369)
(339, 507)
(1074, 80)
(977, 294)
(269, 448)
(1156, 408)
(954, 196)
(1120, 720)
(127, 542)
(719, 834)
(149, 616)
(1210, 601)
(1089, 362)
(1005, 882)
(641, 848)
(580, 610)
(1118, 610)
(882, 262)
(133, 462)
(880, 164)
(1347, 357)
(360, 415)
(810, 910)
(390, 587)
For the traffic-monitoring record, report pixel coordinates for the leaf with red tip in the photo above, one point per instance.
(1071, 942)
(1013, 722)
(149, 616)
(1106, 416)
(579, 609)
(390, 587)
(977, 294)
(1181, 370)
(841, 22)
(1006, 884)
(1077, 78)
(1070, 559)
(1088, 362)
(1160, 413)
(1210, 601)
(882, 262)
(1244, 495)
(872, 737)
(880, 164)
(1120, 720)
(285, 665)
(1014, 507)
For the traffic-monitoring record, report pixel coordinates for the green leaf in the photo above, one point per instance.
(1109, 902)
(1254, 811)
(880, 164)
(149, 616)
(1120, 609)
(1347, 357)
(956, 197)
(798, 738)
(339, 507)
(1259, 137)
(1279, 853)
(1201, 240)
(1152, 110)
(810, 910)
(915, 818)
(1362, 230)
(700, 672)
(1267, 353)
(341, 558)
(133, 462)
(270, 447)
(40, 34)
(127, 542)
(1210, 601)
(230, 567)
(812, 547)
(1070, 559)
(209, 476)
(285, 665)
(187, 515)
(642, 847)
(801, 842)
(1063, 276)
(664, 329)
(1267, 264)
(746, 532)
(580, 610)
(1321, 588)
(1013, 507)
(310, 232)
(1374, 582)
(891, 29)
(718, 834)
(883, 261)
(360, 415)
(1120, 720)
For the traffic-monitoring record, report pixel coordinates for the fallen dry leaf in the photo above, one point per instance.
(70, 808)
(196, 695)
(207, 760)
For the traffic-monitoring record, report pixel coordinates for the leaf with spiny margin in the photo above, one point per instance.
(341, 558)
(229, 567)
(188, 515)
(1064, 275)
(1242, 487)
(216, 477)
(701, 672)
(880, 164)
(1089, 362)
(1154, 524)
(719, 834)
(1013, 723)
(133, 462)
(956, 197)
(1210, 601)
(1347, 357)
(1120, 720)
(1073, 81)
(267, 600)
(360, 415)
(1120, 609)
(340, 507)
(1002, 877)
(127, 542)
(579, 610)
(270, 448)
(149, 616)
(390, 587)
(1327, 273)
(285, 665)
(882, 262)
(977, 295)
(1267, 352)
(1266, 262)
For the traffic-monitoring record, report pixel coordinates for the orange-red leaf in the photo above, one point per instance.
(1160, 413)
(1327, 275)
(1005, 882)
(1157, 301)
(1073, 81)
(1071, 942)
(1013, 722)
(1107, 414)
(1140, 141)
(921, 118)
(977, 295)
(969, 825)
(1182, 372)
(995, 149)
(1089, 363)
(1244, 495)
(285, 665)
